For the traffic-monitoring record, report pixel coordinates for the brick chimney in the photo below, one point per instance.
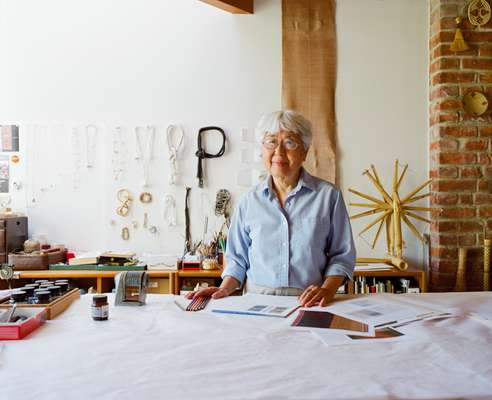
(460, 149)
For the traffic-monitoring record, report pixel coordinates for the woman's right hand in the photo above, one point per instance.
(214, 292)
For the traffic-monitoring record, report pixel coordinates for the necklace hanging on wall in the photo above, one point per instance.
(76, 158)
(202, 154)
(187, 221)
(173, 147)
(119, 153)
(170, 210)
(222, 205)
(91, 133)
(29, 162)
(144, 150)
(39, 163)
(125, 198)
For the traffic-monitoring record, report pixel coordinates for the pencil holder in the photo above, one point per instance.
(210, 263)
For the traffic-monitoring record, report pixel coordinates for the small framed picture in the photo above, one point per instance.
(10, 137)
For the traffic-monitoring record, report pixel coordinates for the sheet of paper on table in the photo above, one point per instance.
(380, 310)
(260, 305)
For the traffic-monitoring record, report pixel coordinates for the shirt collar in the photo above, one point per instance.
(305, 180)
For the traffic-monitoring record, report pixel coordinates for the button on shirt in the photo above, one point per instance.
(295, 246)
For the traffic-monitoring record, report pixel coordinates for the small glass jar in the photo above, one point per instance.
(42, 296)
(18, 296)
(54, 290)
(63, 286)
(100, 307)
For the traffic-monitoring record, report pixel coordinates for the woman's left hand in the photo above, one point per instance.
(314, 294)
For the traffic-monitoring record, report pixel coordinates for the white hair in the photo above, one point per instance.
(285, 120)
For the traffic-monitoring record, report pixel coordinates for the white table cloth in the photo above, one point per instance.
(160, 352)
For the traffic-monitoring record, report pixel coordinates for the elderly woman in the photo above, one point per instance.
(290, 235)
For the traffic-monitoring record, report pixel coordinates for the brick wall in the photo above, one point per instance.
(460, 148)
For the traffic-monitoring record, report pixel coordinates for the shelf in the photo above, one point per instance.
(104, 279)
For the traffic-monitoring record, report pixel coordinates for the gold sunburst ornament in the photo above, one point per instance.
(394, 210)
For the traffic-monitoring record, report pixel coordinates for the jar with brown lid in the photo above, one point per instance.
(100, 307)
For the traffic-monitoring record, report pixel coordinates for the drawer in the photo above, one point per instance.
(158, 285)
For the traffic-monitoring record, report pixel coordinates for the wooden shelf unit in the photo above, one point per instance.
(414, 274)
(105, 279)
(180, 274)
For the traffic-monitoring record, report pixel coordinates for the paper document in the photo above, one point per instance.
(256, 304)
(379, 311)
(259, 309)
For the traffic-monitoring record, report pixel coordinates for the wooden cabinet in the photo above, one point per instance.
(417, 278)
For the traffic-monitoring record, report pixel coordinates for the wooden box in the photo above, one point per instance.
(41, 261)
(53, 309)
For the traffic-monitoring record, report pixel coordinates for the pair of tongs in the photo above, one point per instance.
(8, 315)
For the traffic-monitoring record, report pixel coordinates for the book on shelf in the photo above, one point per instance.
(373, 267)
(83, 261)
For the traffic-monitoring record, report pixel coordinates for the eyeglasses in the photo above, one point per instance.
(272, 143)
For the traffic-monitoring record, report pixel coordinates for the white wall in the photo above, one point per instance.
(130, 62)
(382, 102)
(127, 63)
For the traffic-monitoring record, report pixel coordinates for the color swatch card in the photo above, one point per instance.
(326, 320)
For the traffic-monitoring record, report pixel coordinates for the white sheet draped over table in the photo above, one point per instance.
(160, 352)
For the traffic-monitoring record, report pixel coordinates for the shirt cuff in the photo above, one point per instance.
(340, 269)
(235, 271)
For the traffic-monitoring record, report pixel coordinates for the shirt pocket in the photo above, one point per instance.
(315, 231)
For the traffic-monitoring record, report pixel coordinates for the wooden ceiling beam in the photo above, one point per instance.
(233, 6)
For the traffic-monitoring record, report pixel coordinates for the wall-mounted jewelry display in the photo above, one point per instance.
(174, 136)
(145, 138)
(170, 210)
(125, 198)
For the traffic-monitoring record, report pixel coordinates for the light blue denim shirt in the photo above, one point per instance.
(297, 246)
